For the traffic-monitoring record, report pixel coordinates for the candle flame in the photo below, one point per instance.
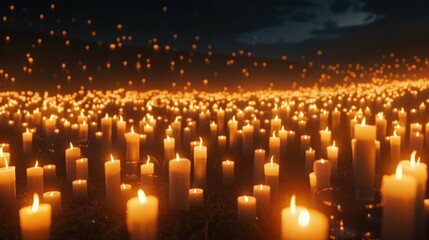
(363, 122)
(168, 138)
(142, 196)
(1, 151)
(71, 145)
(37, 164)
(293, 204)
(194, 190)
(246, 198)
(176, 119)
(112, 159)
(177, 157)
(417, 134)
(106, 116)
(148, 160)
(51, 194)
(27, 131)
(233, 118)
(413, 159)
(380, 115)
(132, 129)
(283, 127)
(201, 142)
(274, 133)
(322, 160)
(333, 145)
(35, 206)
(326, 129)
(121, 119)
(304, 218)
(272, 162)
(276, 118)
(123, 186)
(79, 181)
(6, 165)
(418, 161)
(394, 133)
(311, 149)
(399, 171)
(227, 162)
(261, 186)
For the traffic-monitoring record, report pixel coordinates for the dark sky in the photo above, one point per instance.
(269, 28)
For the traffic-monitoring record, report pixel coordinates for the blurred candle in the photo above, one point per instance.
(80, 191)
(395, 148)
(72, 154)
(271, 171)
(7, 185)
(83, 131)
(275, 124)
(179, 183)
(27, 142)
(220, 118)
(176, 127)
(54, 199)
(148, 130)
(416, 141)
(305, 144)
(49, 176)
(313, 185)
(142, 226)
(246, 209)
(325, 140)
(112, 172)
(258, 166)
(82, 168)
(310, 156)
(35, 180)
(4, 156)
(322, 169)
(106, 129)
(333, 159)
(381, 124)
(200, 165)
(232, 128)
(125, 193)
(262, 194)
(196, 197)
(35, 220)
(274, 146)
(221, 144)
(247, 139)
(132, 141)
(227, 172)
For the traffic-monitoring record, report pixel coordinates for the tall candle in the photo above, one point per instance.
(35, 220)
(132, 140)
(322, 169)
(221, 144)
(262, 194)
(416, 141)
(106, 128)
(395, 148)
(125, 194)
(220, 118)
(399, 204)
(310, 157)
(246, 208)
(83, 131)
(196, 197)
(258, 166)
(313, 185)
(336, 119)
(112, 172)
(305, 144)
(200, 165)
(176, 127)
(247, 139)
(232, 128)
(325, 139)
(7, 186)
(35, 180)
(333, 159)
(142, 226)
(53, 198)
(228, 172)
(148, 130)
(271, 171)
(274, 146)
(4, 157)
(80, 190)
(27, 142)
(82, 168)
(179, 183)
(72, 154)
(121, 125)
(275, 124)
(381, 124)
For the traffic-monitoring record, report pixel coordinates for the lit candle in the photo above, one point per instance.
(72, 154)
(402, 117)
(232, 127)
(112, 172)
(220, 118)
(301, 223)
(196, 197)
(322, 169)
(271, 172)
(336, 119)
(27, 142)
(262, 194)
(176, 127)
(125, 194)
(132, 140)
(35, 220)
(333, 159)
(213, 133)
(381, 124)
(121, 125)
(35, 180)
(283, 135)
(7, 185)
(228, 172)
(258, 166)
(106, 129)
(247, 139)
(200, 165)
(275, 124)
(274, 146)
(4, 156)
(179, 182)
(80, 191)
(83, 131)
(395, 148)
(142, 226)
(313, 185)
(54, 199)
(147, 168)
(49, 176)
(305, 144)
(399, 204)
(325, 139)
(416, 141)
(310, 156)
(221, 144)
(246, 209)
(82, 168)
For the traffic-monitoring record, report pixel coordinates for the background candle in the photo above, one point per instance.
(325, 139)
(246, 209)
(142, 226)
(258, 166)
(271, 172)
(125, 194)
(332, 152)
(82, 168)
(274, 146)
(35, 180)
(262, 194)
(83, 131)
(232, 128)
(313, 185)
(322, 170)
(228, 172)
(54, 199)
(27, 142)
(7, 186)
(304, 144)
(35, 220)
(221, 144)
(176, 127)
(106, 129)
(132, 140)
(80, 191)
(4, 156)
(112, 171)
(310, 156)
(179, 183)
(395, 149)
(196, 197)
(49, 176)
(169, 148)
(72, 154)
(200, 165)
(247, 140)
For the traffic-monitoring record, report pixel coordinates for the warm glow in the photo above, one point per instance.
(106, 116)
(121, 119)
(380, 115)
(148, 160)
(261, 186)
(176, 119)
(142, 196)
(246, 198)
(272, 162)
(363, 121)
(399, 172)
(227, 162)
(71, 145)
(6, 165)
(293, 204)
(27, 131)
(177, 157)
(132, 129)
(274, 134)
(413, 159)
(123, 186)
(394, 133)
(304, 218)
(35, 206)
(112, 159)
(194, 190)
(333, 144)
(37, 164)
(1, 151)
(51, 194)
(201, 142)
(326, 129)
(322, 160)
(168, 138)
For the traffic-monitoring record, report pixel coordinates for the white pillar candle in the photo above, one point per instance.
(325, 140)
(300, 223)
(35, 180)
(196, 197)
(200, 165)
(304, 144)
(54, 199)
(27, 142)
(274, 146)
(106, 129)
(35, 220)
(258, 166)
(313, 185)
(398, 194)
(82, 168)
(142, 226)
(395, 148)
(275, 124)
(322, 169)
(4, 156)
(221, 144)
(247, 139)
(83, 131)
(332, 152)
(262, 194)
(228, 172)
(310, 156)
(220, 118)
(112, 172)
(132, 141)
(80, 191)
(125, 194)
(72, 154)
(179, 183)
(271, 172)
(232, 128)
(246, 209)
(381, 124)
(176, 127)
(7, 186)
(49, 176)
(416, 141)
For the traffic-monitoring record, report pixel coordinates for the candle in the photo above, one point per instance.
(7, 186)
(416, 141)
(364, 159)
(325, 139)
(4, 156)
(271, 172)
(399, 204)
(179, 181)
(82, 168)
(323, 119)
(35, 220)
(53, 198)
(310, 156)
(213, 133)
(200, 165)
(232, 127)
(112, 172)
(176, 127)
(274, 146)
(83, 131)
(283, 135)
(221, 144)
(246, 208)
(336, 119)
(402, 117)
(418, 171)
(313, 185)
(395, 149)
(381, 124)
(142, 226)
(80, 191)
(72, 154)
(305, 144)
(147, 168)
(121, 125)
(247, 139)
(301, 223)
(49, 176)
(106, 129)
(258, 166)
(132, 140)
(196, 198)
(333, 159)
(27, 142)
(228, 172)
(275, 124)
(35, 180)
(322, 169)
(220, 118)
(262, 194)
(125, 194)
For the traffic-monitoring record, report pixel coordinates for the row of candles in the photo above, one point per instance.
(366, 141)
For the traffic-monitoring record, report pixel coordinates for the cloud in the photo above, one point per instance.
(340, 6)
